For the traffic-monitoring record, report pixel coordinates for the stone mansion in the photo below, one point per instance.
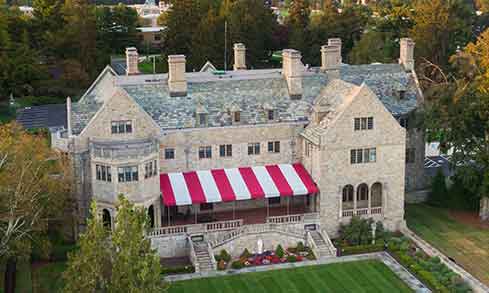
(220, 159)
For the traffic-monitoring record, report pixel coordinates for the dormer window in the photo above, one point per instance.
(271, 115)
(202, 119)
(201, 115)
(402, 94)
(237, 117)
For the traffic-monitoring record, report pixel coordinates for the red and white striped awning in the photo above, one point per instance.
(224, 185)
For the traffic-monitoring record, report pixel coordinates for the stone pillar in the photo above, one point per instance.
(292, 71)
(355, 201)
(239, 56)
(341, 201)
(369, 198)
(406, 54)
(157, 210)
(177, 81)
(132, 60)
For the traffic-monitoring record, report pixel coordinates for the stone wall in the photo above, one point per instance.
(186, 144)
(415, 175)
(250, 241)
(174, 246)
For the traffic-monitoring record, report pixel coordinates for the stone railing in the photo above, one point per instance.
(331, 247)
(211, 256)
(361, 212)
(166, 231)
(196, 228)
(256, 229)
(193, 256)
(376, 210)
(309, 218)
(312, 244)
(223, 225)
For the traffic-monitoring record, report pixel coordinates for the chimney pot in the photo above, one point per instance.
(132, 60)
(239, 56)
(177, 81)
(331, 55)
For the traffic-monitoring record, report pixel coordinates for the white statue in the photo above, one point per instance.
(260, 246)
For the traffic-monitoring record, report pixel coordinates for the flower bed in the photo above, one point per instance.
(291, 254)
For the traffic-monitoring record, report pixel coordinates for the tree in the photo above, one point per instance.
(298, 22)
(118, 261)
(374, 47)
(458, 115)
(440, 27)
(88, 268)
(34, 183)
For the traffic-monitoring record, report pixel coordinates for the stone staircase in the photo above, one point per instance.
(202, 256)
(323, 247)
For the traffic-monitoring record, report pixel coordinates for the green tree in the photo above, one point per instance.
(440, 27)
(439, 192)
(89, 267)
(298, 22)
(118, 261)
(34, 183)
(458, 115)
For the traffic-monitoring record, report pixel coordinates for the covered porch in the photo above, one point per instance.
(229, 198)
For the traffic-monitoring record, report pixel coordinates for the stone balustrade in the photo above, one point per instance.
(361, 212)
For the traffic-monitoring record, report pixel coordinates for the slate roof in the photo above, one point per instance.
(252, 91)
(45, 116)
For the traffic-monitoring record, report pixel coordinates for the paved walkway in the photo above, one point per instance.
(476, 285)
(384, 257)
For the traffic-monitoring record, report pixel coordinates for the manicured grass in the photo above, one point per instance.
(467, 244)
(361, 276)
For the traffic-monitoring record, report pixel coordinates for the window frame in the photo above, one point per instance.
(225, 150)
(253, 148)
(169, 151)
(103, 173)
(205, 152)
(121, 127)
(270, 115)
(128, 174)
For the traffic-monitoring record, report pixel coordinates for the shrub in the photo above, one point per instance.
(177, 270)
(279, 251)
(291, 258)
(357, 232)
(438, 189)
(358, 249)
(224, 255)
(237, 264)
(246, 253)
(300, 247)
(221, 265)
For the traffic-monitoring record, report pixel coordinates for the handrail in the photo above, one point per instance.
(211, 256)
(331, 247)
(312, 244)
(193, 256)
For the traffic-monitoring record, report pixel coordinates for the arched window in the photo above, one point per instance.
(362, 192)
(348, 193)
(106, 219)
(376, 194)
(151, 215)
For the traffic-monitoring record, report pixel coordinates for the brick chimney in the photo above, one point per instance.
(331, 55)
(239, 56)
(177, 82)
(406, 54)
(132, 58)
(292, 71)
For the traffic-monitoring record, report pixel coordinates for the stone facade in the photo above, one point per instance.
(313, 113)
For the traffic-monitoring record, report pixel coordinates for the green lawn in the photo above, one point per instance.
(467, 244)
(361, 276)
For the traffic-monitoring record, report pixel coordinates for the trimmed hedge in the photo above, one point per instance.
(359, 249)
(177, 270)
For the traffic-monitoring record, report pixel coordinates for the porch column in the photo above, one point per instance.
(355, 201)
(168, 209)
(268, 207)
(194, 207)
(369, 194)
(288, 206)
(157, 214)
(340, 192)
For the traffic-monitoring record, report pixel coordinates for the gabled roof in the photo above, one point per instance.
(208, 67)
(251, 91)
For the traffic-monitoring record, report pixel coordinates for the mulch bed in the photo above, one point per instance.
(469, 218)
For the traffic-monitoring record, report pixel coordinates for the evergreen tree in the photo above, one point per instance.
(298, 22)
(88, 267)
(118, 261)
